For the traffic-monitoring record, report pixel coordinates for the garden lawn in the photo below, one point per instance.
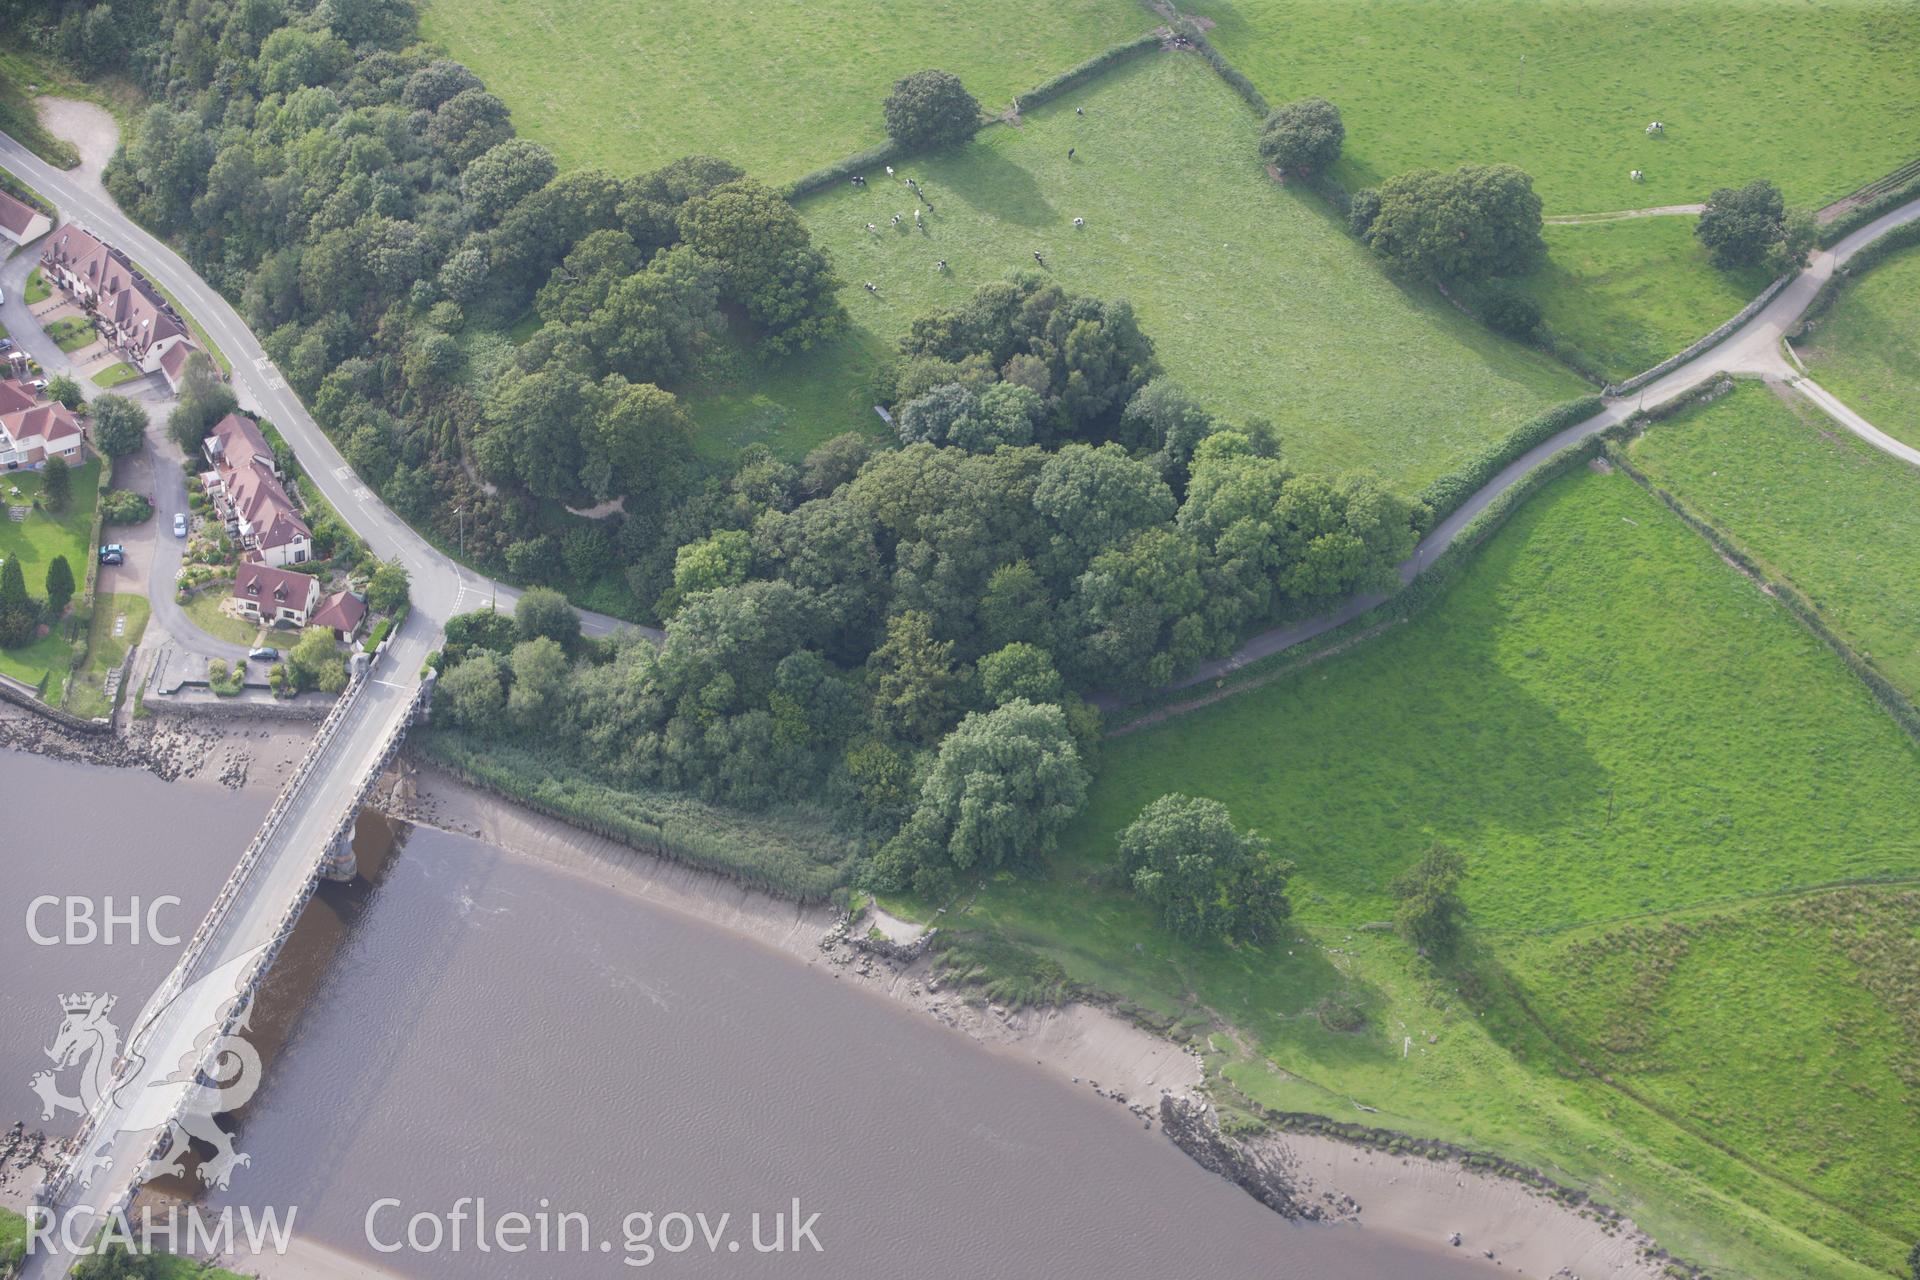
(1813, 504)
(37, 290)
(87, 694)
(1866, 350)
(1257, 300)
(779, 89)
(1608, 722)
(70, 333)
(1625, 295)
(1820, 98)
(203, 608)
(35, 542)
(115, 374)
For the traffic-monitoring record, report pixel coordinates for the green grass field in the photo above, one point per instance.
(1610, 723)
(779, 89)
(1867, 349)
(1820, 97)
(1629, 293)
(1258, 302)
(1812, 503)
(37, 290)
(36, 541)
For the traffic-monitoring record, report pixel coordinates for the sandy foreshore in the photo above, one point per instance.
(1514, 1228)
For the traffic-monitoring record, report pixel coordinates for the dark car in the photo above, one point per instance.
(265, 653)
(113, 553)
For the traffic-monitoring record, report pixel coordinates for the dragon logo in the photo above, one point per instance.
(132, 1095)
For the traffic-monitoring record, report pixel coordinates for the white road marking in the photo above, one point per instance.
(363, 493)
(343, 473)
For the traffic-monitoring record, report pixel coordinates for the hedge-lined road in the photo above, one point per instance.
(441, 586)
(1753, 348)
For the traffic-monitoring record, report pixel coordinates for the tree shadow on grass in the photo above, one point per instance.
(1000, 189)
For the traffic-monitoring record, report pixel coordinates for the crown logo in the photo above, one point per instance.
(82, 1002)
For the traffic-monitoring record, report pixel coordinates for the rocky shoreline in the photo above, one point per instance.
(229, 750)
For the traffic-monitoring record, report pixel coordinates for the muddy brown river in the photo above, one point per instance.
(466, 1024)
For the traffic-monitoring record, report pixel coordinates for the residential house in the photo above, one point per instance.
(341, 613)
(245, 488)
(276, 595)
(20, 221)
(132, 315)
(33, 430)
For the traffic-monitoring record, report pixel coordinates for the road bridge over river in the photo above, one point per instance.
(278, 871)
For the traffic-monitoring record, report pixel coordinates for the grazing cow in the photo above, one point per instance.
(871, 227)
(1637, 175)
(1079, 111)
(1070, 151)
(889, 171)
(871, 287)
(1079, 222)
(1037, 258)
(916, 217)
(940, 264)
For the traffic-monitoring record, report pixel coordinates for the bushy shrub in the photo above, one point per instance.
(124, 506)
(1512, 313)
(930, 109)
(1303, 136)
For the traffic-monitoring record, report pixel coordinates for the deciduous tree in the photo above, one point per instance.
(1206, 879)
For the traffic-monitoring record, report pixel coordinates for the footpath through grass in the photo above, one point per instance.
(1819, 97)
(1258, 301)
(1610, 723)
(1867, 349)
(780, 89)
(1813, 504)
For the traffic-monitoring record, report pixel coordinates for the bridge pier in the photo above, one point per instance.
(340, 863)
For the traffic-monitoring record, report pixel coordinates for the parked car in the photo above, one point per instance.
(179, 524)
(113, 553)
(38, 384)
(6, 344)
(265, 653)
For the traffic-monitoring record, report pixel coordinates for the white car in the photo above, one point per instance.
(179, 524)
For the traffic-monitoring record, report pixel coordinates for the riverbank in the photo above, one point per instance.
(234, 751)
(1422, 1202)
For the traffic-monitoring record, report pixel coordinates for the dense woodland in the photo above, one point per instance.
(900, 632)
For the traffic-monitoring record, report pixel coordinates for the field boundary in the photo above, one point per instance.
(1873, 254)
(1713, 339)
(1402, 606)
(1886, 192)
(1046, 91)
(1778, 586)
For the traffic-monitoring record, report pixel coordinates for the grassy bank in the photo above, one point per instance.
(1812, 504)
(778, 89)
(1820, 98)
(790, 854)
(1255, 296)
(118, 623)
(1597, 714)
(1867, 349)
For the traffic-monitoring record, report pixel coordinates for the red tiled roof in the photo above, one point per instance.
(123, 297)
(239, 438)
(342, 611)
(173, 361)
(271, 588)
(259, 500)
(51, 422)
(15, 215)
